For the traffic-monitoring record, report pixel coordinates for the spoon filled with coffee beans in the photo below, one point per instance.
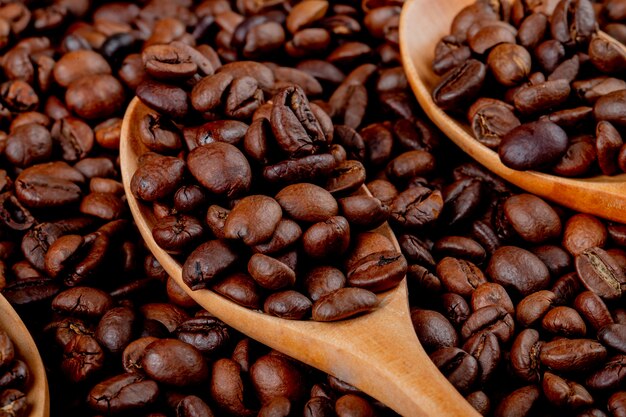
(265, 219)
(534, 92)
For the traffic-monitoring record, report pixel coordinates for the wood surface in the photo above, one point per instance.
(422, 24)
(378, 352)
(25, 349)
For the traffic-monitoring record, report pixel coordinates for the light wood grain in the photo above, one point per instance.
(37, 390)
(422, 24)
(377, 352)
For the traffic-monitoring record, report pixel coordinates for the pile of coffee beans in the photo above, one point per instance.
(542, 85)
(519, 302)
(153, 351)
(252, 207)
(14, 379)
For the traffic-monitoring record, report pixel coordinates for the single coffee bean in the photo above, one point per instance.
(460, 85)
(564, 321)
(533, 145)
(492, 319)
(288, 305)
(533, 307)
(433, 330)
(206, 262)
(173, 362)
(254, 219)
(121, 393)
(459, 367)
(565, 393)
(344, 303)
(307, 202)
(485, 347)
(599, 272)
(518, 270)
(270, 273)
(460, 276)
(568, 355)
(613, 336)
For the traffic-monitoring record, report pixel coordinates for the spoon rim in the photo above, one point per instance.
(37, 393)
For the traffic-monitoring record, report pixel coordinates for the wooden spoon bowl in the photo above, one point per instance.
(378, 352)
(422, 24)
(36, 392)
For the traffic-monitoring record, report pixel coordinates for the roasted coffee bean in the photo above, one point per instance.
(378, 271)
(206, 262)
(123, 393)
(460, 85)
(83, 301)
(82, 357)
(490, 293)
(532, 218)
(534, 306)
(613, 336)
(270, 273)
(417, 207)
(609, 376)
(274, 375)
(492, 319)
(533, 145)
(344, 303)
(115, 329)
(485, 347)
(583, 231)
(525, 355)
(28, 144)
(599, 272)
(433, 330)
(173, 362)
(458, 366)
(519, 270)
(288, 305)
(564, 393)
(327, 239)
(157, 177)
(566, 355)
(307, 202)
(253, 219)
(564, 321)
(593, 309)
(207, 334)
(520, 402)
(460, 276)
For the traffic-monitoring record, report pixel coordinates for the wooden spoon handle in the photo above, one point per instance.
(381, 355)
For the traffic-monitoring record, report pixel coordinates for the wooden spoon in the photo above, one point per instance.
(378, 352)
(422, 24)
(36, 392)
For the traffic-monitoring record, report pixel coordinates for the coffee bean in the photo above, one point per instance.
(229, 172)
(288, 305)
(564, 393)
(599, 272)
(565, 355)
(519, 270)
(433, 330)
(307, 202)
(613, 336)
(344, 303)
(123, 393)
(460, 85)
(254, 219)
(583, 231)
(460, 276)
(173, 362)
(458, 366)
(206, 262)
